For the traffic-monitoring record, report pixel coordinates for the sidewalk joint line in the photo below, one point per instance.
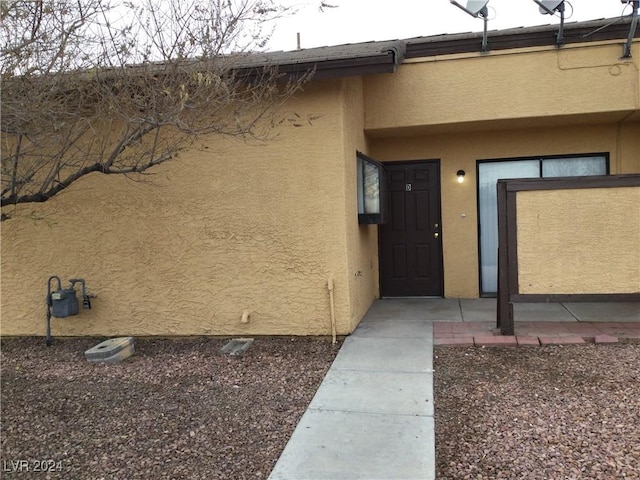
(382, 414)
(570, 312)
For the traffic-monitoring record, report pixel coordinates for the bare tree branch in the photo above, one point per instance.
(118, 88)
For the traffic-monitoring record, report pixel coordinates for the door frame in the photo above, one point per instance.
(437, 163)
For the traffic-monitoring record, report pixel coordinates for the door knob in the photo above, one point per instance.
(436, 235)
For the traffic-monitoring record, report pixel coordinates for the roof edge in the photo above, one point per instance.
(522, 37)
(371, 58)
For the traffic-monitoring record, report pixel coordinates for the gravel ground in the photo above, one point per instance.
(181, 409)
(177, 409)
(570, 412)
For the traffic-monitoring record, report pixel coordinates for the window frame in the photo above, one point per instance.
(366, 217)
(540, 159)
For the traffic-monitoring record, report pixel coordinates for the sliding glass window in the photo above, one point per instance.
(488, 174)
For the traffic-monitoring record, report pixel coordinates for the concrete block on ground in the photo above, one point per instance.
(113, 350)
(237, 346)
(606, 339)
(454, 342)
(442, 327)
(495, 340)
(565, 340)
(526, 340)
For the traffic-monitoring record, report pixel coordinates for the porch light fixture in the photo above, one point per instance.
(460, 175)
(550, 7)
(371, 190)
(477, 8)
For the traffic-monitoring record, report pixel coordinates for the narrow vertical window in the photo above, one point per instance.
(371, 190)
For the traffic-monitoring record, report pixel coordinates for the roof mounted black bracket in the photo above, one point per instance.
(484, 35)
(550, 8)
(477, 8)
(634, 23)
(560, 37)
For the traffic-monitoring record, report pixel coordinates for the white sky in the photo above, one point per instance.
(364, 20)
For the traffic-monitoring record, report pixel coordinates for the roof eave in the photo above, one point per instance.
(539, 36)
(346, 67)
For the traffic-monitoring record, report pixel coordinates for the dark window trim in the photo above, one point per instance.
(540, 158)
(375, 218)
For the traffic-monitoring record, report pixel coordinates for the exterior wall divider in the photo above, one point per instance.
(508, 272)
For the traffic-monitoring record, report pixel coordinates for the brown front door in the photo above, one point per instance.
(411, 240)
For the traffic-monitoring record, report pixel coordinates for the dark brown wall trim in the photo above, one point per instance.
(583, 297)
(592, 31)
(508, 292)
(568, 183)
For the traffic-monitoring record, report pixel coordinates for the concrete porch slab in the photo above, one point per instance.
(376, 392)
(603, 311)
(415, 309)
(386, 355)
(344, 445)
(478, 309)
(395, 329)
(542, 312)
(562, 340)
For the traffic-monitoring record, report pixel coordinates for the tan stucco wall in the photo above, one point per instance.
(462, 150)
(528, 87)
(521, 103)
(231, 227)
(225, 228)
(579, 241)
(362, 240)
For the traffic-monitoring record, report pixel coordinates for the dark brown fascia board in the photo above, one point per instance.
(345, 67)
(592, 31)
(292, 66)
(524, 37)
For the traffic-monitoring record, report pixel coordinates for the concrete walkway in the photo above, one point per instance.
(372, 417)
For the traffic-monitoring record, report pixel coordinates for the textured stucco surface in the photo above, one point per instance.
(227, 227)
(579, 241)
(362, 240)
(504, 87)
(462, 150)
(231, 227)
(513, 104)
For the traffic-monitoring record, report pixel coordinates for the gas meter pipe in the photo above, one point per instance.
(50, 305)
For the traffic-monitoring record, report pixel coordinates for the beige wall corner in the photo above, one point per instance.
(362, 240)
